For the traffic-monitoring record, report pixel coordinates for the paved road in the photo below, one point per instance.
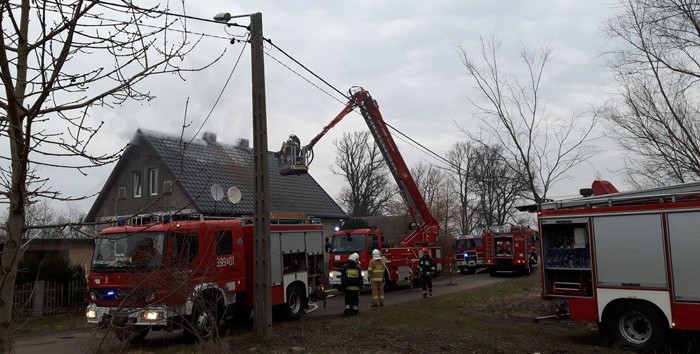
(104, 341)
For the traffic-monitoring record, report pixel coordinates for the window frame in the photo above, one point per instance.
(152, 181)
(137, 183)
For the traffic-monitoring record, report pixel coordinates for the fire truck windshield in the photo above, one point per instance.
(468, 243)
(122, 250)
(348, 243)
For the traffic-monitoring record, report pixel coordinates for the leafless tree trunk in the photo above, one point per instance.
(657, 69)
(539, 148)
(434, 186)
(498, 187)
(461, 156)
(361, 163)
(51, 81)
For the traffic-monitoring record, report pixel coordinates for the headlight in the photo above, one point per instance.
(90, 313)
(152, 315)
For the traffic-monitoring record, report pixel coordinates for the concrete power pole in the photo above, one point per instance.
(262, 291)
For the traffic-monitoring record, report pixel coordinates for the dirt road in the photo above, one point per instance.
(104, 341)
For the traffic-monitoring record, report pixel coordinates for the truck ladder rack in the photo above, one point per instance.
(652, 195)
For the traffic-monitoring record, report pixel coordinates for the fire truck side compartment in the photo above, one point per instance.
(275, 258)
(684, 237)
(630, 251)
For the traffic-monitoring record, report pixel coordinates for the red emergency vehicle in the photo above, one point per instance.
(402, 261)
(469, 253)
(508, 248)
(626, 260)
(192, 274)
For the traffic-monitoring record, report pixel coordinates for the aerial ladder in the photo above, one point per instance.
(295, 159)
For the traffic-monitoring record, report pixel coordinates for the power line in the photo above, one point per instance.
(401, 134)
(168, 13)
(167, 28)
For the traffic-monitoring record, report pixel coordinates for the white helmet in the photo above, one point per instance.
(376, 254)
(354, 257)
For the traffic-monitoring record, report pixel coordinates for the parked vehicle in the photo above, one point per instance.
(625, 260)
(469, 253)
(402, 261)
(192, 274)
(508, 248)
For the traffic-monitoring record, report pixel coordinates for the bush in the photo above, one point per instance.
(51, 267)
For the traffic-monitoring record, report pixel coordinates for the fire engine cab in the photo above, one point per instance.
(626, 260)
(469, 253)
(192, 274)
(508, 249)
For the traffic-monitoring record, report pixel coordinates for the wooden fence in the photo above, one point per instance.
(43, 298)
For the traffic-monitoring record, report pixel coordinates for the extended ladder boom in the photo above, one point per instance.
(427, 226)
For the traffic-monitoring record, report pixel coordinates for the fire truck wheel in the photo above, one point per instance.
(641, 327)
(204, 323)
(295, 302)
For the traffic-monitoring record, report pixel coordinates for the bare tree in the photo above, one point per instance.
(498, 187)
(434, 185)
(361, 163)
(460, 155)
(51, 81)
(656, 66)
(539, 148)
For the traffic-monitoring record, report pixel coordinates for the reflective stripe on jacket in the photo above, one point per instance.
(376, 270)
(351, 276)
(425, 265)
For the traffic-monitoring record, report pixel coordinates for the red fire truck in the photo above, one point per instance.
(626, 260)
(192, 274)
(469, 253)
(402, 261)
(508, 249)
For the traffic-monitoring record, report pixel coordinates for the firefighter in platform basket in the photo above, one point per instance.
(351, 283)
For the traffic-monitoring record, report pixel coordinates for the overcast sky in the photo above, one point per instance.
(403, 52)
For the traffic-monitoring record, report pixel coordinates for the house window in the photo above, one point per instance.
(137, 183)
(153, 181)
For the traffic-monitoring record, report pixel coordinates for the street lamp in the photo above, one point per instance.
(261, 290)
(222, 17)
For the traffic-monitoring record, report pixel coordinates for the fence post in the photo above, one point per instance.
(38, 298)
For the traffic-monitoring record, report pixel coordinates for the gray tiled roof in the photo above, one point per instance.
(200, 165)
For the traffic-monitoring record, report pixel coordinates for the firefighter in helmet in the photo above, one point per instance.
(376, 277)
(533, 257)
(351, 282)
(425, 268)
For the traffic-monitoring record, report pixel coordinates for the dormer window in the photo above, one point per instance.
(153, 181)
(137, 184)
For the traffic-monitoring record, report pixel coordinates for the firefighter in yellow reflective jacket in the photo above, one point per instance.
(376, 277)
(426, 267)
(351, 282)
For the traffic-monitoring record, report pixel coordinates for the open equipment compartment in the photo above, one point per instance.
(567, 257)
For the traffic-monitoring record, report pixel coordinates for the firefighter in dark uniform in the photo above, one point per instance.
(351, 282)
(425, 267)
(533, 258)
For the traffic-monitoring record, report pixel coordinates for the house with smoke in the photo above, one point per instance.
(201, 178)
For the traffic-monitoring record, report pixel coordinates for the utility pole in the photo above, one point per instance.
(262, 290)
